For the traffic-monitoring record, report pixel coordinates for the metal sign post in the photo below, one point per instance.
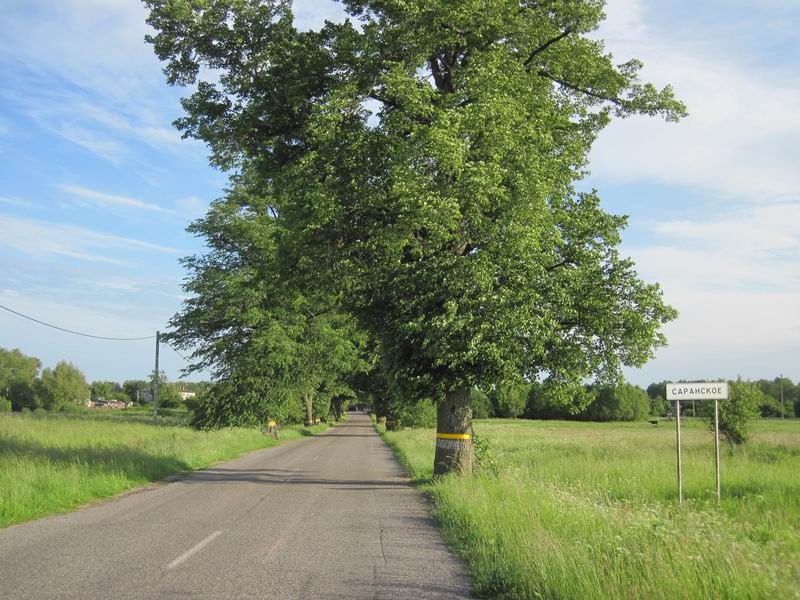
(716, 442)
(699, 390)
(680, 465)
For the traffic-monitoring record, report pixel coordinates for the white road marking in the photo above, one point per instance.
(192, 550)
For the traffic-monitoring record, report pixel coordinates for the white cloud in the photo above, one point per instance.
(81, 69)
(736, 282)
(98, 143)
(707, 268)
(97, 45)
(192, 207)
(728, 334)
(16, 202)
(740, 138)
(106, 127)
(105, 200)
(755, 233)
(114, 287)
(750, 251)
(114, 284)
(312, 14)
(40, 238)
(733, 272)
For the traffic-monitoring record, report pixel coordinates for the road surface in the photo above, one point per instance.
(330, 516)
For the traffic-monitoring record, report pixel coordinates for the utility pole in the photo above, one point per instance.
(155, 382)
(8, 384)
(782, 406)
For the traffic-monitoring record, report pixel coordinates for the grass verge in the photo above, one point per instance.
(52, 463)
(588, 510)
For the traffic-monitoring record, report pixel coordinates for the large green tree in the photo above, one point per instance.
(623, 402)
(424, 164)
(509, 399)
(63, 387)
(274, 350)
(18, 374)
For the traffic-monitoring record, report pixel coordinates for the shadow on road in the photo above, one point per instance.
(285, 477)
(350, 435)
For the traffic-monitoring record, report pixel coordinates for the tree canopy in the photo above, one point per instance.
(18, 374)
(63, 387)
(623, 402)
(420, 160)
(269, 345)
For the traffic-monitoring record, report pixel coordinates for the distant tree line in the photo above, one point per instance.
(767, 394)
(25, 385)
(624, 402)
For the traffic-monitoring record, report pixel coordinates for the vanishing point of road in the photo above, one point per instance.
(329, 516)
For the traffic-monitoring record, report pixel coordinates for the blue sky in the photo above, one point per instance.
(96, 187)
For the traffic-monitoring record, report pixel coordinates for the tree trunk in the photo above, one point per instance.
(309, 401)
(336, 404)
(454, 452)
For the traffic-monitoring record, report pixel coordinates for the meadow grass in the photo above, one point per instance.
(589, 510)
(137, 414)
(53, 463)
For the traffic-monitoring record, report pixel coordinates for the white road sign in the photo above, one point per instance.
(698, 390)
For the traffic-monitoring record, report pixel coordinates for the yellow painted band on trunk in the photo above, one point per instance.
(453, 436)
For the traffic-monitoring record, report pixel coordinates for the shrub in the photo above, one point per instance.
(5, 405)
(485, 459)
(735, 413)
(405, 412)
(420, 415)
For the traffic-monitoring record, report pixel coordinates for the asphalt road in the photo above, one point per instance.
(330, 516)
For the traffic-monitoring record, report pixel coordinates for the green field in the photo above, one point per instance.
(51, 463)
(589, 510)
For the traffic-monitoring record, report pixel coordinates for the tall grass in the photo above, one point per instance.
(585, 510)
(53, 463)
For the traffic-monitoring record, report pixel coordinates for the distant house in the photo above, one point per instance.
(103, 403)
(186, 395)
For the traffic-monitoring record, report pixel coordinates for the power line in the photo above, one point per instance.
(88, 335)
(168, 345)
